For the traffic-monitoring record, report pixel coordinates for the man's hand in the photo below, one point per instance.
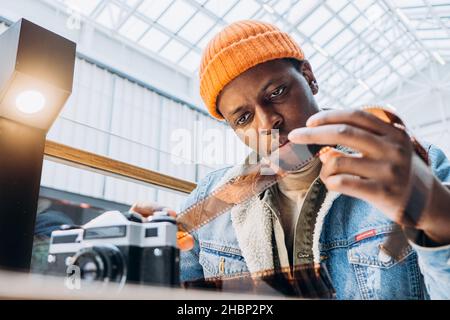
(149, 208)
(379, 173)
(185, 241)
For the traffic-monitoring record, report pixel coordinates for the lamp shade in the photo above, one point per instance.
(36, 74)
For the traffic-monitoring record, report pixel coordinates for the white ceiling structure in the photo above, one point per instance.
(362, 51)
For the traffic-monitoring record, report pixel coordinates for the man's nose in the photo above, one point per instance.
(268, 120)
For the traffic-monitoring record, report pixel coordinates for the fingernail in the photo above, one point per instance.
(185, 241)
(170, 211)
(173, 213)
(296, 133)
(323, 157)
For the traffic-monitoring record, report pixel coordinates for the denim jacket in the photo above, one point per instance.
(349, 242)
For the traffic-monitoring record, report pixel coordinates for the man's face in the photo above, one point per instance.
(271, 96)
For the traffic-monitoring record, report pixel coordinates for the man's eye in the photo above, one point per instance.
(278, 92)
(243, 119)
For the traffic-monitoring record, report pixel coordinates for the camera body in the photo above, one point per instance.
(119, 247)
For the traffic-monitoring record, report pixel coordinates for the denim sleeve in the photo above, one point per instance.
(434, 262)
(190, 268)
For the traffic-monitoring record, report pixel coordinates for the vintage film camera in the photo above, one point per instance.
(119, 247)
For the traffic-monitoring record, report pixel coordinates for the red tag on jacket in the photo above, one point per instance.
(366, 234)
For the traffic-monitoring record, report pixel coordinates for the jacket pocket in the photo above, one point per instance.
(221, 261)
(379, 275)
(370, 252)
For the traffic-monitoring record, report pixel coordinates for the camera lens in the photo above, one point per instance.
(89, 270)
(101, 263)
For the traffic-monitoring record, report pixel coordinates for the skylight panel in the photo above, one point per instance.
(133, 28)
(337, 5)
(196, 27)
(176, 16)
(205, 39)
(154, 40)
(328, 31)
(397, 61)
(85, 7)
(154, 8)
(243, 10)
(316, 19)
(219, 7)
(281, 6)
(173, 51)
(110, 15)
(130, 3)
(432, 34)
(317, 60)
(362, 4)
(349, 13)
(191, 61)
(340, 41)
(301, 10)
(360, 24)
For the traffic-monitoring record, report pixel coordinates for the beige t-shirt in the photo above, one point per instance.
(293, 189)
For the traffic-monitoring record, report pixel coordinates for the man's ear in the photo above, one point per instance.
(306, 71)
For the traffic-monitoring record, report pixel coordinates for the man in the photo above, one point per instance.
(340, 208)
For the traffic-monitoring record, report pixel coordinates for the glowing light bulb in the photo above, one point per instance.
(30, 101)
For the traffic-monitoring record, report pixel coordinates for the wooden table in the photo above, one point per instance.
(33, 286)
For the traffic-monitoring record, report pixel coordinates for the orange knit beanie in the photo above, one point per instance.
(237, 48)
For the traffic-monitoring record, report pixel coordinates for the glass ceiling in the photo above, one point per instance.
(358, 49)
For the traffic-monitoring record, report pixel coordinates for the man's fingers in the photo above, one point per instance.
(335, 162)
(354, 186)
(330, 153)
(340, 134)
(185, 241)
(357, 118)
(149, 208)
(145, 208)
(171, 212)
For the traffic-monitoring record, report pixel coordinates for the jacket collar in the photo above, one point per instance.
(253, 223)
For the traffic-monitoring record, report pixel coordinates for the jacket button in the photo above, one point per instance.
(384, 257)
(301, 255)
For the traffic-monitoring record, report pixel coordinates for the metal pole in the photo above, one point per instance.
(22, 151)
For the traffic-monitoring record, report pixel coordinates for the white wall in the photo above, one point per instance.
(423, 102)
